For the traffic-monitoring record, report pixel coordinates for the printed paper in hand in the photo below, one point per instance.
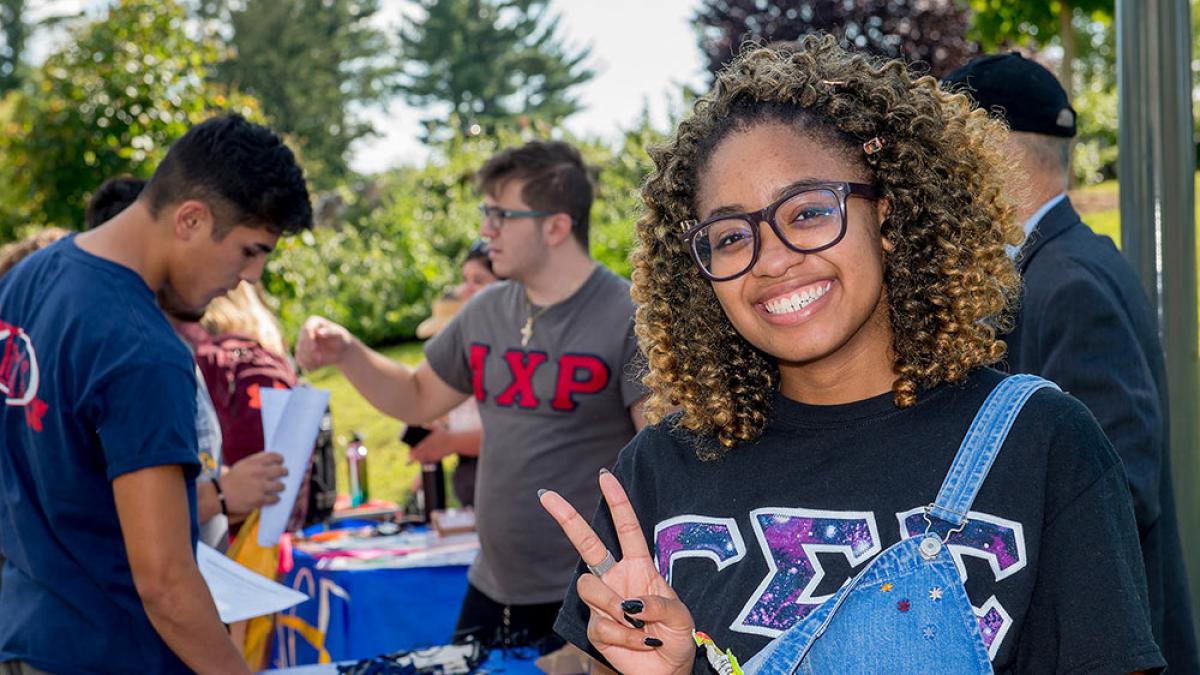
(239, 593)
(291, 420)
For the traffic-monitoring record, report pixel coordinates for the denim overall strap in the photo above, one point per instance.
(980, 446)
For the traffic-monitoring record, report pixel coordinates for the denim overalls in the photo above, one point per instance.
(907, 611)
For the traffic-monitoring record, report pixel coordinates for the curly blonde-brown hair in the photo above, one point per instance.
(949, 283)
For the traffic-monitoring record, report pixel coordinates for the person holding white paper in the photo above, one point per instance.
(291, 419)
(224, 495)
(98, 451)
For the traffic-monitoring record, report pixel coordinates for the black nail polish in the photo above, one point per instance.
(636, 623)
(652, 642)
(632, 606)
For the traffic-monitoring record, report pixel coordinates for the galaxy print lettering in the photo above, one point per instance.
(717, 539)
(1000, 542)
(789, 538)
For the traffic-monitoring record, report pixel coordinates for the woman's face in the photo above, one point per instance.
(475, 276)
(844, 314)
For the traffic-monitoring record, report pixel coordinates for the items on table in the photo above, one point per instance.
(382, 546)
(446, 660)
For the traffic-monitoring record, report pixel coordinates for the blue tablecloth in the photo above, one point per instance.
(367, 612)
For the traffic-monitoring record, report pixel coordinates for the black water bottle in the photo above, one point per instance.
(433, 487)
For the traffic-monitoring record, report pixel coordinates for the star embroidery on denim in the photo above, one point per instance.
(886, 588)
(927, 632)
(903, 605)
(935, 593)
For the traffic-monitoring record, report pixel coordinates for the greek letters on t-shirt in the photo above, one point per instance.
(19, 374)
(576, 375)
(790, 539)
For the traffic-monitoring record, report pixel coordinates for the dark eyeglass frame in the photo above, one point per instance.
(496, 215)
(843, 190)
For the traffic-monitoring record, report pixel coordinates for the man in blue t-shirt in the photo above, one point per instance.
(98, 450)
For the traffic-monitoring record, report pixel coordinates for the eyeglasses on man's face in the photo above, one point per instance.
(494, 216)
(807, 219)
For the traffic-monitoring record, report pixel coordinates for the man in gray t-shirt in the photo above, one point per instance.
(551, 360)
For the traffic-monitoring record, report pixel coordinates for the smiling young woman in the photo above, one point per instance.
(847, 486)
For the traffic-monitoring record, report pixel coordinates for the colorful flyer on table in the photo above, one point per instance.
(291, 419)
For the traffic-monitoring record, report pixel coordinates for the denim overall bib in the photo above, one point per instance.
(907, 611)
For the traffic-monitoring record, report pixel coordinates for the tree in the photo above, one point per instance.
(13, 31)
(1085, 31)
(380, 271)
(308, 62)
(1196, 75)
(109, 103)
(491, 62)
(930, 31)
(1035, 23)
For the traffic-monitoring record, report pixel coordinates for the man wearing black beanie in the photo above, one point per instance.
(1086, 323)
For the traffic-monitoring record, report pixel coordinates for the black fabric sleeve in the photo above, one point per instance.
(1089, 347)
(1088, 611)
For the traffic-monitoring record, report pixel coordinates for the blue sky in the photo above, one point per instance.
(642, 51)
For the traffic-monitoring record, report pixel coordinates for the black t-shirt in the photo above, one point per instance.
(1050, 554)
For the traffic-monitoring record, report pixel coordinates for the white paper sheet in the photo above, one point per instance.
(239, 593)
(291, 420)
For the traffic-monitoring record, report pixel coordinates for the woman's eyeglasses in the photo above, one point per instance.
(808, 219)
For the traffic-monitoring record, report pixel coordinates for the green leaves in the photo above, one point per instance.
(308, 62)
(379, 275)
(14, 32)
(491, 63)
(1007, 23)
(108, 104)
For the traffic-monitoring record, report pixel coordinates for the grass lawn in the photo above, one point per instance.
(1107, 220)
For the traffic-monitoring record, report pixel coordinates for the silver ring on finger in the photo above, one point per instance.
(604, 565)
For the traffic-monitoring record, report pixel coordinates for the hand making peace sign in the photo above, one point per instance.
(628, 592)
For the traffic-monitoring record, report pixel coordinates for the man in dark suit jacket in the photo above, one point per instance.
(1086, 323)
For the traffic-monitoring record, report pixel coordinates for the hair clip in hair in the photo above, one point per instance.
(873, 146)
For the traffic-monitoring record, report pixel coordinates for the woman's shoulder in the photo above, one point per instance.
(1075, 450)
(664, 444)
(1046, 408)
(1055, 411)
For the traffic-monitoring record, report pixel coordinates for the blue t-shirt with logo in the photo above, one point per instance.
(96, 386)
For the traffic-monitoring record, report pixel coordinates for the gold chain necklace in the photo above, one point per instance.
(527, 329)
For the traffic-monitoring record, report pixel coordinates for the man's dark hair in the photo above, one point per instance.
(111, 198)
(479, 251)
(556, 179)
(242, 170)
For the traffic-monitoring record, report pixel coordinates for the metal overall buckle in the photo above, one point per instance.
(931, 542)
